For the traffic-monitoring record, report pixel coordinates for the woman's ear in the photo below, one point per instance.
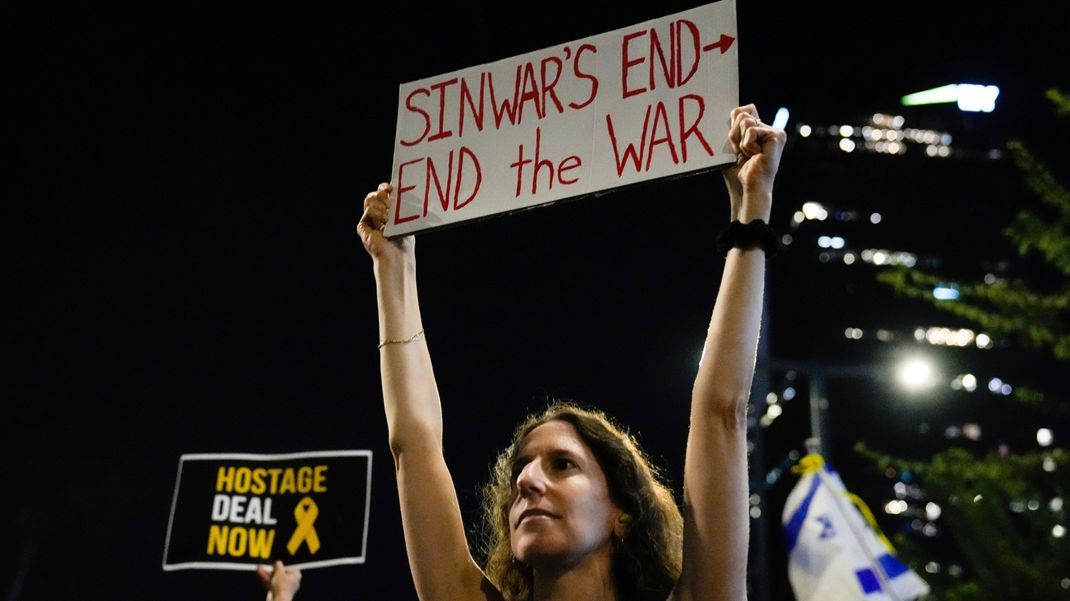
(624, 523)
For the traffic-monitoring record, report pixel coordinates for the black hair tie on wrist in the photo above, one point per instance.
(756, 234)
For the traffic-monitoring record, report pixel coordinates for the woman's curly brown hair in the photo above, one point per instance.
(646, 564)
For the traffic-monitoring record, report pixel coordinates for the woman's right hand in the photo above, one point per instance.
(370, 229)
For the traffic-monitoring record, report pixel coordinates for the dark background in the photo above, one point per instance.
(182, 188)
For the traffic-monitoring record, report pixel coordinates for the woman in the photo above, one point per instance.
(560, 500)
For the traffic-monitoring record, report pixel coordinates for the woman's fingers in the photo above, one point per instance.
(735, 134)
(376, 211)
(755, 133)
(758, 147)
(377, 205)
(264, 573)
(743, 119)
(741, 112)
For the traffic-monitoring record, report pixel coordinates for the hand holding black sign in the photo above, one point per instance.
(240, 511)
(281, 583)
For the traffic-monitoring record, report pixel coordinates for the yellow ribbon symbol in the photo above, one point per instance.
(305, 513)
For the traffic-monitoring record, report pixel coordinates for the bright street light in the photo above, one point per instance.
(916, 373)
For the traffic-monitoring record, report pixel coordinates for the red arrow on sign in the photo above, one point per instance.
(723, 43)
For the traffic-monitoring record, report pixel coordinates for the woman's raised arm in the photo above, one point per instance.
(439, 558)
(716, 521)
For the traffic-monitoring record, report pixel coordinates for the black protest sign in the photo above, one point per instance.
(235, 511)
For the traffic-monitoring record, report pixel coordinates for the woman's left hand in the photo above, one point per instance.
(281, 583)
(758, 147)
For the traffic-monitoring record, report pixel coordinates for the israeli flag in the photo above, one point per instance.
(833, 553)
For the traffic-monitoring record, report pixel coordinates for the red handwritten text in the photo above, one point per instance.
(466, 160)
(660, 132)
(533, 89)
(540, 164)
(684, 51)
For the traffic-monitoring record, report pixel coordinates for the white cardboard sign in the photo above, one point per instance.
(639, 103)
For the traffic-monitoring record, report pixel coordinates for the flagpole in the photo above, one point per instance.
(819, 405)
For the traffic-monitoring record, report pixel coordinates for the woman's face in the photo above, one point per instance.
(562, 511)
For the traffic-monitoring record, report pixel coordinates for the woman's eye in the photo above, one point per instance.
(563, 464)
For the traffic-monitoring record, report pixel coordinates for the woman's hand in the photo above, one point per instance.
(758, 147)
(281, 584)
(372, 222)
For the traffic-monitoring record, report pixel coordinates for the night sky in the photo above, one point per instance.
(182, 188)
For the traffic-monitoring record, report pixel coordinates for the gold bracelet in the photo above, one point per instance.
(406, 341)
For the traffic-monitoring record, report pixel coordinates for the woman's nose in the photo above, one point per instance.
(531, 480)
